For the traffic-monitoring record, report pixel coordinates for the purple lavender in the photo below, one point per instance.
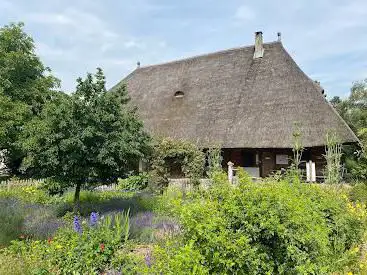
(93, 218)
(148, 259)
(77, 225)
(142, 220)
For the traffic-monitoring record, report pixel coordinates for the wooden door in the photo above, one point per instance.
(267, 163)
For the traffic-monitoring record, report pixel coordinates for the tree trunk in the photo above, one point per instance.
(77, 197)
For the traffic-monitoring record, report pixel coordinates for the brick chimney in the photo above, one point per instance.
(259, 49)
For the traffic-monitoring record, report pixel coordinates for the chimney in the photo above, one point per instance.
(279, 36)
(259, 49)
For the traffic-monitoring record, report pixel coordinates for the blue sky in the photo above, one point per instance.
(327, 38)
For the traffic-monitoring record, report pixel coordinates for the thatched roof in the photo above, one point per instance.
(234, 100)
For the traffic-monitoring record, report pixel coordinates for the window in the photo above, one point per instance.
(179, 94)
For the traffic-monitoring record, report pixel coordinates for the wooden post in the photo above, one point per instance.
(230, 171)
(310, 171)
(313, 172)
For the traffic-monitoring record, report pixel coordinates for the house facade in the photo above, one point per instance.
(247, 100)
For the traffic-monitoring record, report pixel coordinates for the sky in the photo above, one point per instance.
(327, 38)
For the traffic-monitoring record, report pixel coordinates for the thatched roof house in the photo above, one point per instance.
(247, 99)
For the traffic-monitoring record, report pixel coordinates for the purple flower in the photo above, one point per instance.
(143, 220)
(93, 218)
(148, 259)
(77, 225)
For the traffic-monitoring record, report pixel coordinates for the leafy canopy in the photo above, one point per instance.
(25, 85)
(354, 112)
(90, 137)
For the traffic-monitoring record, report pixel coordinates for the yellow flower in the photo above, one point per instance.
(350, 273)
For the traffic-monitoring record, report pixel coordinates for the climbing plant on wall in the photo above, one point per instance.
(166, 151)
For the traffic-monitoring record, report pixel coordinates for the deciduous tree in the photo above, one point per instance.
(25, 85)
(90, 137)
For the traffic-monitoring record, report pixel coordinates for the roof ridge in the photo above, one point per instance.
(203, 55)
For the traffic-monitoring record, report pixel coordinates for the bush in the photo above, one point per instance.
(133, 183)
(29, 194)
(40, 222)
(176, 258)
(358, 192)
(11, 220)
(84, 249)
(25, 220)
(148, 227)
(270, 228)
(15, 264)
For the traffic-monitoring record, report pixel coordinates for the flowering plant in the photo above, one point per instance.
(85, 248)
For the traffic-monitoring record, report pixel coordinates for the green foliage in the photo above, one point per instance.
(358, 192)
(70, 252)
(270, 228)
(52, 187)
(19, 218)
(25, 85)
(214, 157)
(297, 150)
(167, 151)
(91, 137)
(333, 159)
(354, 112)
(134, 182)
(11, 217)
(28, 193)
(14, 263)
(104, 202)
(176, 258)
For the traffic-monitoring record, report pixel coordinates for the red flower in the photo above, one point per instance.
(49, 240)
(101, 247)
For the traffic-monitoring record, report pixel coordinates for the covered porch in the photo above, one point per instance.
(262, 162)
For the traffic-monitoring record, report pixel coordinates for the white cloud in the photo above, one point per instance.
(325, 37)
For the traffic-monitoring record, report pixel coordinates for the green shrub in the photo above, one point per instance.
(30, 193)
(176, 258)
(270, 228)
(358, 192)
(134, 183)
(11, 220)
(15, 264)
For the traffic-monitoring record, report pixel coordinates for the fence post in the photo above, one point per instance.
(230, 171)
(310, 171)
